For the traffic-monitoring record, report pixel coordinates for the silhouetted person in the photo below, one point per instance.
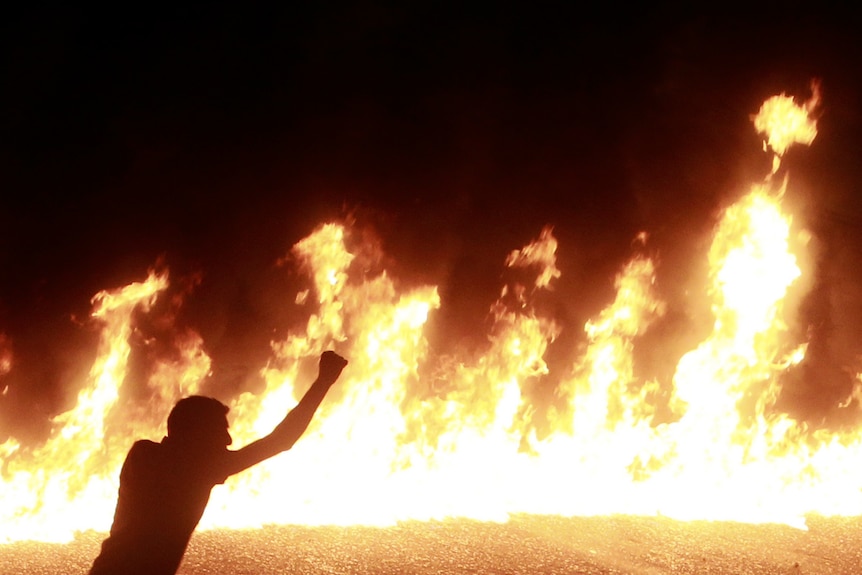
(164, 487)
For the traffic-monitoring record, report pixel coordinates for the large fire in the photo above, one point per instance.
(407, 435)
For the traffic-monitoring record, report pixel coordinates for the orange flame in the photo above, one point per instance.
(408, 436)
(785, 123)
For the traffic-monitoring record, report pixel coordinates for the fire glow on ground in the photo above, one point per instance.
(526, 545)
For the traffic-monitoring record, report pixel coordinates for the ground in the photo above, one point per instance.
(525, 545)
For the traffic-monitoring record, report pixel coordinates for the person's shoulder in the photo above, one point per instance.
(142, 455)
(143, 447)
(145, 444)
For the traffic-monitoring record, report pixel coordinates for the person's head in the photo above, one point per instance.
(201, 421)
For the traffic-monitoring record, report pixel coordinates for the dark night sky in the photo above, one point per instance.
(216, 138)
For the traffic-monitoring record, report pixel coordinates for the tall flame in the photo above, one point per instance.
(409, 435)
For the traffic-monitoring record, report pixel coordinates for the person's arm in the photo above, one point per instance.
(295, 422)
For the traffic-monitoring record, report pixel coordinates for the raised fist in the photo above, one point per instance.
(331, 365)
